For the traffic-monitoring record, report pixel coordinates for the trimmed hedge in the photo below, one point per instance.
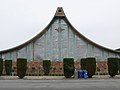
(83, 63)
(46, 67)
(1, 66)
(8, 67)
(113, 66)
(119, 65)
(68, 66)
(21, 67)
(89, 64)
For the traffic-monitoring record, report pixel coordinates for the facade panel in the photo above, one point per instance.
(22, 53)
(7, 56)
(39, 48)
(98, 54)
(30, 52)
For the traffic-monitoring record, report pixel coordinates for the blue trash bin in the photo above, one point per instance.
(80, 74)
(85, 74)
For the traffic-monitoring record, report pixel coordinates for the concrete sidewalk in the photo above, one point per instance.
(55, 77)
(32, 78)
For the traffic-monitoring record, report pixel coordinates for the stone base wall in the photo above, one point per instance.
(102, 67)
(35, 68)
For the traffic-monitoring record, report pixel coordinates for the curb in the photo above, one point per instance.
(56, 77)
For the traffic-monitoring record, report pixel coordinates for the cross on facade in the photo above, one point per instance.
(59, 41)
(59, 30)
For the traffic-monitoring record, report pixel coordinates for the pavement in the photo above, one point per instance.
(82, 84)
(55, 77)
(102, 82)
(32, 78)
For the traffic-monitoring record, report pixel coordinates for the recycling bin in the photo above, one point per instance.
(85, 74)
(80, 74)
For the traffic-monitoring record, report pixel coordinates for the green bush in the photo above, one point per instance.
(46, 67)
(21, 67)
(89, 64)
(68, 66)
(8, 67)
(1, 66)
(113, 66)
(83, 63)
(119, 65)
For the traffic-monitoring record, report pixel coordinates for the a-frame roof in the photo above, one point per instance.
(59, 14)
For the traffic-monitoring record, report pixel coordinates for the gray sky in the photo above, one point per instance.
(98, 20)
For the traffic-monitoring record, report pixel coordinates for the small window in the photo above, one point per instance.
(59, 10)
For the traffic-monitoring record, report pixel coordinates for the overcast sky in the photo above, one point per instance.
(21, 20)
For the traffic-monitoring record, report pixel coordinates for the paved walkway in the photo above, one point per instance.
(103, 84)
(55, 77)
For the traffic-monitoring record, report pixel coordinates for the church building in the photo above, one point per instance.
(58, 40)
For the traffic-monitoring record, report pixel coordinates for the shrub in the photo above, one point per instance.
(83, 63)
(1, 66)
(8, 67)
(119, 65)
(89, 64)
(46, 67)
(113, 66)
(68, 66)
(21, 67)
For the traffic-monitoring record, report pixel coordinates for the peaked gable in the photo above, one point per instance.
(60, 39)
